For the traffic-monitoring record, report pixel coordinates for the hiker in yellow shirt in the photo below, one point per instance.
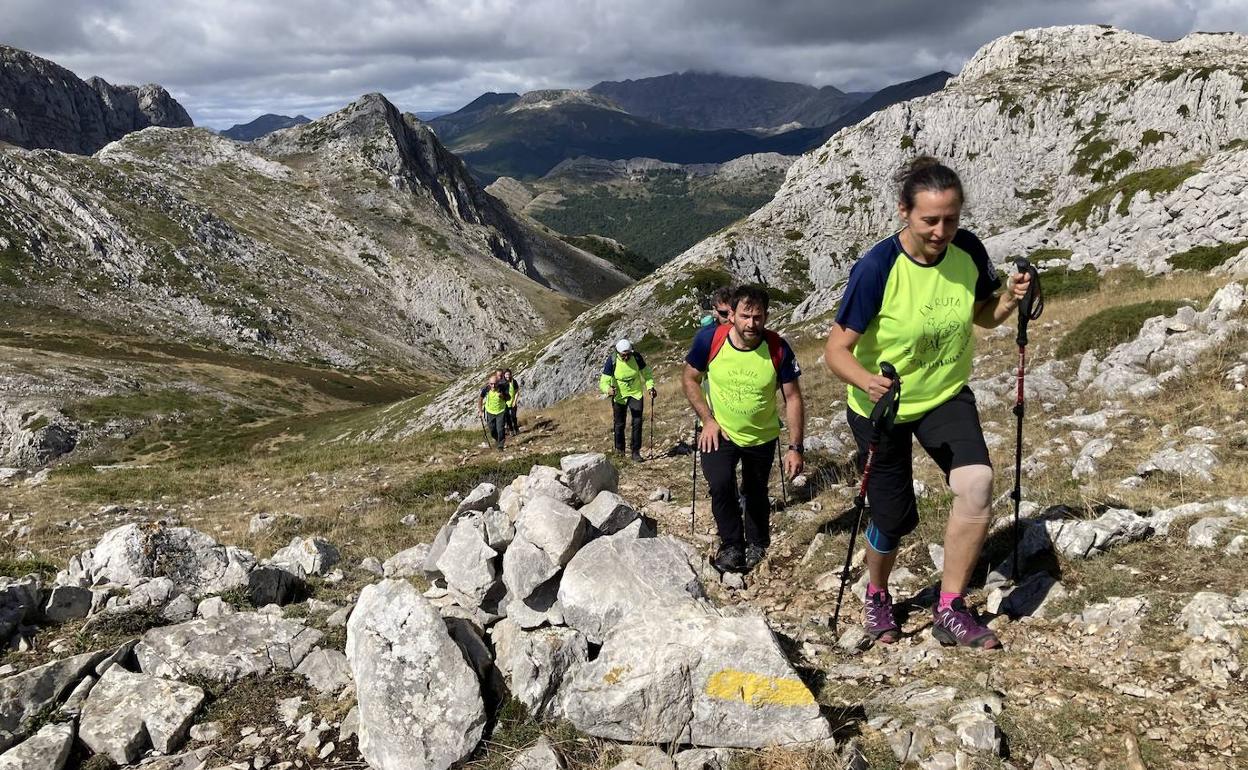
(626, 379)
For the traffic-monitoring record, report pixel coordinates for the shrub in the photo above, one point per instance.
(1113, 326)
(1062, 282)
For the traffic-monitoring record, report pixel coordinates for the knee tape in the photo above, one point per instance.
(880, 542)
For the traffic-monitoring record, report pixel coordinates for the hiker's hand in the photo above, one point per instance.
(708, 439)
(793, 463)
(611, 391)
(877, 386)
(1019, 284)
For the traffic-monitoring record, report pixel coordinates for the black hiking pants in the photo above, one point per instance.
(498, 426)
(720, 468)
(513, 420)
(620, 412)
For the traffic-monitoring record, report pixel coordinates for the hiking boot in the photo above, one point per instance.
(637, 457)
(731, 558)
(753, 555)
(878, 621)
(958, 625)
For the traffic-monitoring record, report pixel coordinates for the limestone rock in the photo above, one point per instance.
(225, 648)
(555, 528)
(419, 702)
(312, 555)
(1079, 539)
(407, 563)
(1197, 460)
(608, 513)
(47, 749)
(1028, 599)
(695, 678)
(483, 497)
(588, 474)
(613, 578)
(127, 712)
(24, 694)
(1085, 464)
(19, 602)
(468, 562)
(535, 663)
(327, 671)
(540, 756)
(196, 563)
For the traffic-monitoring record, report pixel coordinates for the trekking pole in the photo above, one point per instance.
(1029, 309)
(484, 433)
(881, 416)
(693, 476)
(651, 426)
(784, 492)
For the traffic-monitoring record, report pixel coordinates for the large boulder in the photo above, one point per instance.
(225, 648)
(535, 663)
(615, 577)
(27, 693)
(47, 749)
(132, 553)
(695, 678)
(420, 703)
(126, 713)
(588, 474)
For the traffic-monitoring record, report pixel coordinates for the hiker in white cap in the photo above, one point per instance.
(626, 379)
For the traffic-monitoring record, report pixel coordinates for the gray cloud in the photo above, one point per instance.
(230, 61)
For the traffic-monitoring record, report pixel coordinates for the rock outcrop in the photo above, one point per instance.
(45, 105)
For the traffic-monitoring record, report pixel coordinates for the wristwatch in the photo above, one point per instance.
(797, 448)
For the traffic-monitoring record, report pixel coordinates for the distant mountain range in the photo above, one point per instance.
(525, 136)
(261, 126)
(709, 101)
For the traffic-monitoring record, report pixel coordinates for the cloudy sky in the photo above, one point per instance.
(228, 61)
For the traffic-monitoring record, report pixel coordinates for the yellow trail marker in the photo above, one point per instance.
(757, 690)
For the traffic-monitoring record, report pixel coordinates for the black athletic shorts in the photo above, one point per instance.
(951, 435)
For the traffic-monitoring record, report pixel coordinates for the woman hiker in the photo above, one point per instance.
(911, 300)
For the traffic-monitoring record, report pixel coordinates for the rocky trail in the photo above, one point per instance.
(441, 600)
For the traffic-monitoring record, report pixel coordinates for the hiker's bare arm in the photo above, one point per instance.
(991, 313)
(691, 383)
(838, 356)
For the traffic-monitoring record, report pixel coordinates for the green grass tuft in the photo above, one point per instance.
(1113, 326)
(1205, 258)
(1156, 181)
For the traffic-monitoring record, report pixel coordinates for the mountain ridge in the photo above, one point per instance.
(44, 105)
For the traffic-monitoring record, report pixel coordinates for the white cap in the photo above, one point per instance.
(623, 346)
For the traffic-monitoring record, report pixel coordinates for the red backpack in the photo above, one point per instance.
(775, 346)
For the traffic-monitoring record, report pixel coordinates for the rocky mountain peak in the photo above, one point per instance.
(1065, 54)
(44, 105)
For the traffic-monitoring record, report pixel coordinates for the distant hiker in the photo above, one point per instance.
(492, 405)
(721, 307)
(626, 379)
(513, 402)
(746, 364)
(911, 300)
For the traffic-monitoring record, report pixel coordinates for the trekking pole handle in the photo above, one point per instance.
(1026, 304)
(888, 402)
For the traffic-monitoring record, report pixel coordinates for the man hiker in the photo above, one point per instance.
(513, 402)
(492, 406)
(746, 364)
(626, 379)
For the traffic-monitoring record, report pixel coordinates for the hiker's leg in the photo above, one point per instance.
(952, 435)
(636, 407)
(720, 469)
(756, 462)
(890, 494)
(619, 412)
(968, 524)
(500, 426)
